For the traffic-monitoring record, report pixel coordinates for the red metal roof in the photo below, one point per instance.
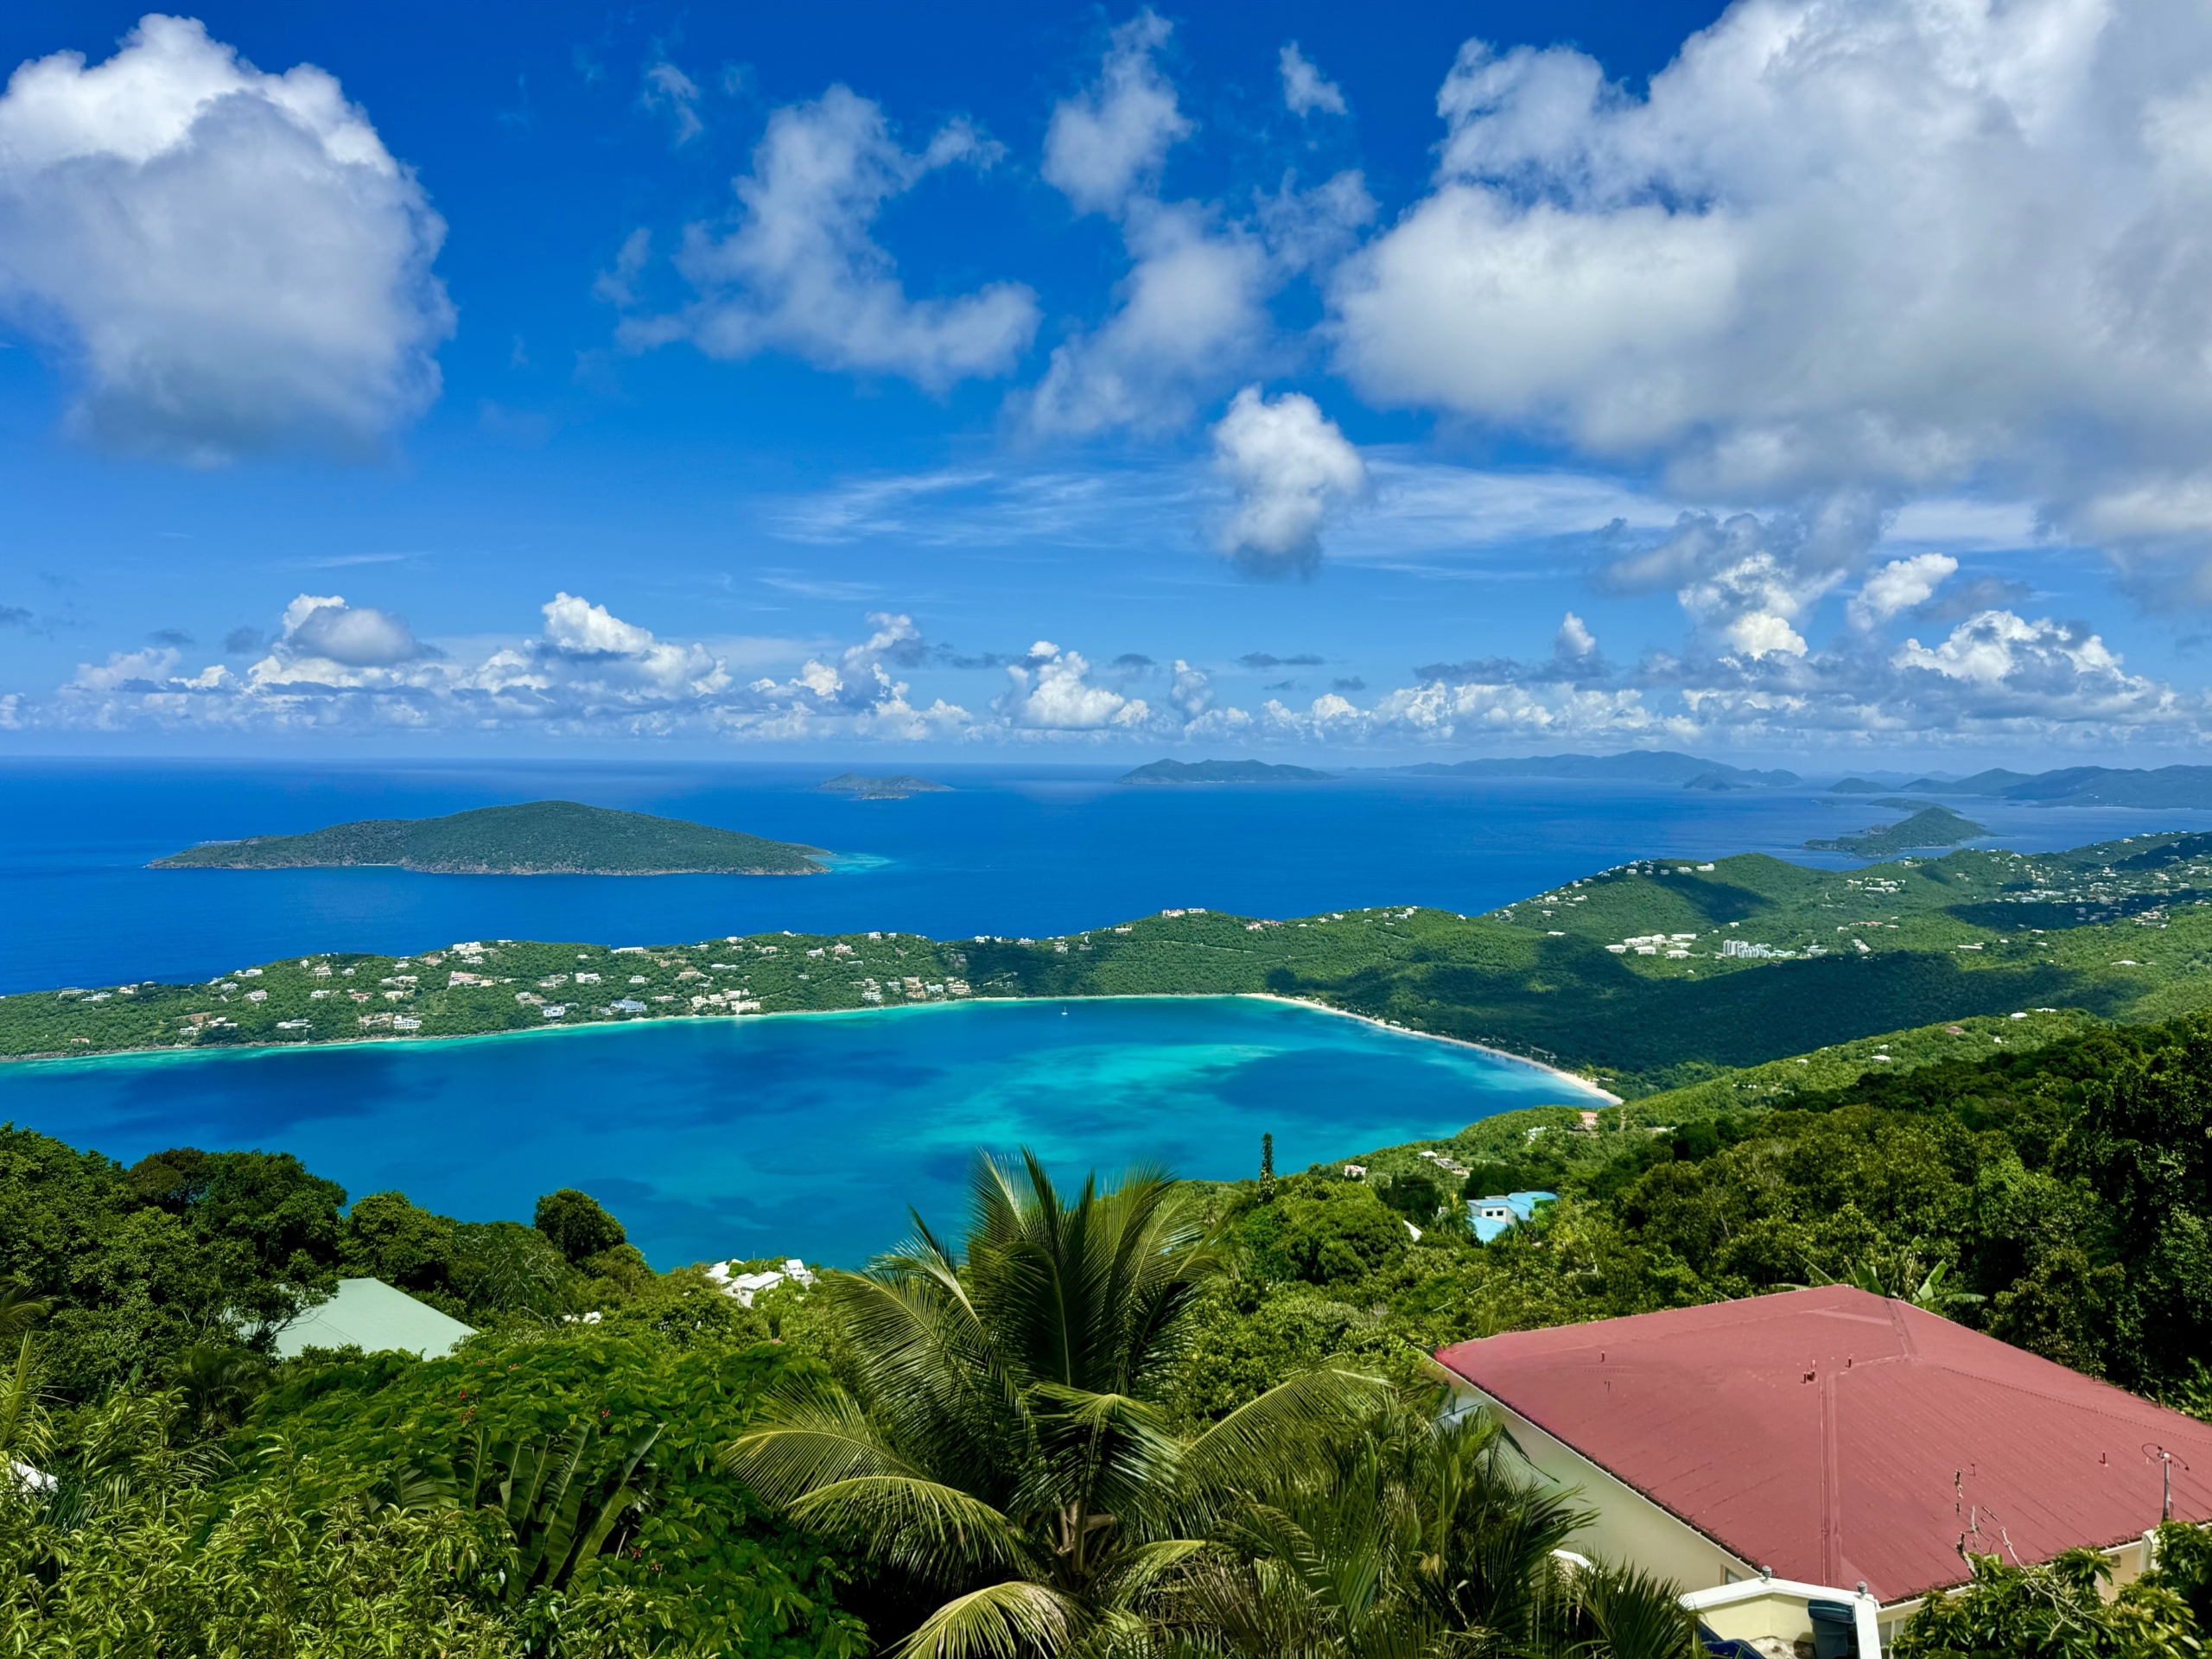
(1819, 1433)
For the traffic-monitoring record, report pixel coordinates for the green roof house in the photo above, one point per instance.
(369, 1314)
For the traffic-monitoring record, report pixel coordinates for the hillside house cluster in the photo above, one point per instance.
(744, 1287)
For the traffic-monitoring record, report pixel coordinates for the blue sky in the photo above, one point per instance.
(973, 380)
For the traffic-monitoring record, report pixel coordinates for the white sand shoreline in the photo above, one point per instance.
(1582, 1084)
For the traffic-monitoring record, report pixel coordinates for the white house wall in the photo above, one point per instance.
(1629, 1526)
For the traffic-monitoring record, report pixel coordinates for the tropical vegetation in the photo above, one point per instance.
(1003, 1443)
(1649, 976)
(1154, 1417)
(531, 838)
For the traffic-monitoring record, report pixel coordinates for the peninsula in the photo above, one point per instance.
(537, 838)
(1221, 772)
(883, 789)
(1650, 976)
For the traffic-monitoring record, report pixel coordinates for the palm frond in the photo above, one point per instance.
(1627, 1613)
(806, 1441)
(1287, 1433)
(1104, 1451)
(932, 1373)
(932, 1531)
(1137, 1572)
(1001, 1621)
(20, 1308)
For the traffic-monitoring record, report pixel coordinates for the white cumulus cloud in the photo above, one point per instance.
(1996, 677)
(1574, 642)
(1747, 581)
(1051, 691)
(336, 667)
(1192, 314)
(1306, 89)
(1898, 586)
(327, 629)
(803, 273)
(1110, 141)
(229, 261)
(1899, 246)
(1288, 464)
(2039, 667)
(578, 625)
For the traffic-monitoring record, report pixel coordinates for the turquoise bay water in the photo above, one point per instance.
(807, 1135)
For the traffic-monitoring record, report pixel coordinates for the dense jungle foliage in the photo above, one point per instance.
(551, 1488)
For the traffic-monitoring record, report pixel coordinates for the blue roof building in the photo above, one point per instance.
(1502, 1211)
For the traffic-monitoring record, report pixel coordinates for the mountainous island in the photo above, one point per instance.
(883, 789)
(1631, 766)
(2166, 786)
(1221, 772)
(1928, 826)
(536, 838)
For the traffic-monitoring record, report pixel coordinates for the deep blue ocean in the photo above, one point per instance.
(811, 1136)
(1012, 850)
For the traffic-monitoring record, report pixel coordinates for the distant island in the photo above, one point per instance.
(1632, 766)
(883, 788)
(1221, 772)
(2167, 786)
(1931, 826)
(538, 838)
(1866, 786)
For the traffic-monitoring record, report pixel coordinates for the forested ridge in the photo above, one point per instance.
(531, 838)
(1648, 977)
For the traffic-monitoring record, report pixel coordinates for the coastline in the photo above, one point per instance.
(1580, 1081)
(1581, 1084)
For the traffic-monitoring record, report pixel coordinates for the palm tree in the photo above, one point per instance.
(1896, 1280)
(1000, 1440)
(218, 1381)
(1420, 1537)
(20, 1309)
(26, 1430)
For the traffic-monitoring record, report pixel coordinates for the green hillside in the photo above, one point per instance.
(1652, 976)
(538, 838)
(1927, 827)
